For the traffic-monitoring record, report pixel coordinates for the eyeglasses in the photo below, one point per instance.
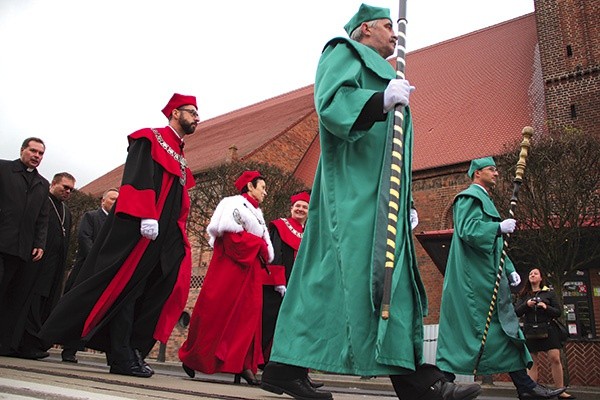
(193, 112)
(68, 188)
(492, 169)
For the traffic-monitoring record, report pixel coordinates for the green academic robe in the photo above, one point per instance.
(330, 316)
(468, 287)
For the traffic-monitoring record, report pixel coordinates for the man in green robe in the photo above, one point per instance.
(469, 282)
(330, 316)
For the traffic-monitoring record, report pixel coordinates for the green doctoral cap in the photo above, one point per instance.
(479, 164)
(366, 13)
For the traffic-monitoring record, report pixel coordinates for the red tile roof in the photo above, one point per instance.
(248, 129)
(474, 94)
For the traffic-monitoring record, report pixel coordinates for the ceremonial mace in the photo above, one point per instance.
(527, 133)
(396, 167)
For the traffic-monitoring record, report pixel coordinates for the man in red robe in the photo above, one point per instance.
(134, 284)
(286, 234)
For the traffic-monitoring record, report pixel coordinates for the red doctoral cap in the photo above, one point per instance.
(247, 176)
(302, 196)
(178, 100)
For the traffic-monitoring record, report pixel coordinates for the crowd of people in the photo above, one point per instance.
(284, 296)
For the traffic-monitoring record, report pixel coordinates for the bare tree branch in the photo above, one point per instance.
(558, 212)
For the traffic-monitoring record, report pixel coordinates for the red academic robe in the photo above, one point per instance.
(225, 328)
(121, 260)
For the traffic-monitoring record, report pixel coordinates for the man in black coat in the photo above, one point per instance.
(23, 230)
(89, 228)
(47, 275)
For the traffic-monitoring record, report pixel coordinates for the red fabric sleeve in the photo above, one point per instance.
(275, 276)
(137, 203)
(242, 247)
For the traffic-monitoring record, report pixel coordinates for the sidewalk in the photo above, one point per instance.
(497, 389)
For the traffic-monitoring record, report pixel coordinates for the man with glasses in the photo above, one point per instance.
(23, 228)
(330, 316)
(134, 284)
(42, 281)
(469, 283)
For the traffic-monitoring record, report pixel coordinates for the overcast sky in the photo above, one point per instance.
(83, 74)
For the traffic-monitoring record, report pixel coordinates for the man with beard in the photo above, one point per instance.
(23, 231)
(134, 284)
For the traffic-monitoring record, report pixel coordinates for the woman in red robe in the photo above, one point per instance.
(225, 328)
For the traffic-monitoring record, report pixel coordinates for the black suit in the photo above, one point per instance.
(23, 227)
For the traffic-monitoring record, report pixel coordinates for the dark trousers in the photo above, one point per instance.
(522, 381)
(415, 385)
(271, 305)
(412, 386)
(121, 329)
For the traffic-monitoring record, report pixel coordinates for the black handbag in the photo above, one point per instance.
(536, 330)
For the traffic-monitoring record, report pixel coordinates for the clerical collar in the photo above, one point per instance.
(25, 167)
(251, 199)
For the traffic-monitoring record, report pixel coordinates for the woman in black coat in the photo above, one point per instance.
(537, 304)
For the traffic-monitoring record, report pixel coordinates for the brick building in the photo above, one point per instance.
(474, 95)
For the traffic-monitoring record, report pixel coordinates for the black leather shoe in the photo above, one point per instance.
(248, 376)
(31, 354)
(132, 368)
(443, 390)
(299, 388)
(314, 384)
(541, 392)
(69, 358)
(190, 372)
(141, 362)
(68, 355)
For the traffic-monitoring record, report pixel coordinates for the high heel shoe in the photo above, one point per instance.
(190, 372)
(248, 377)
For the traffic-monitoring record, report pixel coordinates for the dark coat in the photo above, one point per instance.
(23, 210)
(49, 283)
(89, 229)
(533, 314)
(285, 254)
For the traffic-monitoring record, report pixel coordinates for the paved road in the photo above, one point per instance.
(52, 379)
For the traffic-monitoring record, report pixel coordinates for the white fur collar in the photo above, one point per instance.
(235, 214)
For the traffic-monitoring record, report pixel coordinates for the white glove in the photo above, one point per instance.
(149, 228)
(515, 279)
(414, 219)
(397, 91)
(280, 289)
(508, 225)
